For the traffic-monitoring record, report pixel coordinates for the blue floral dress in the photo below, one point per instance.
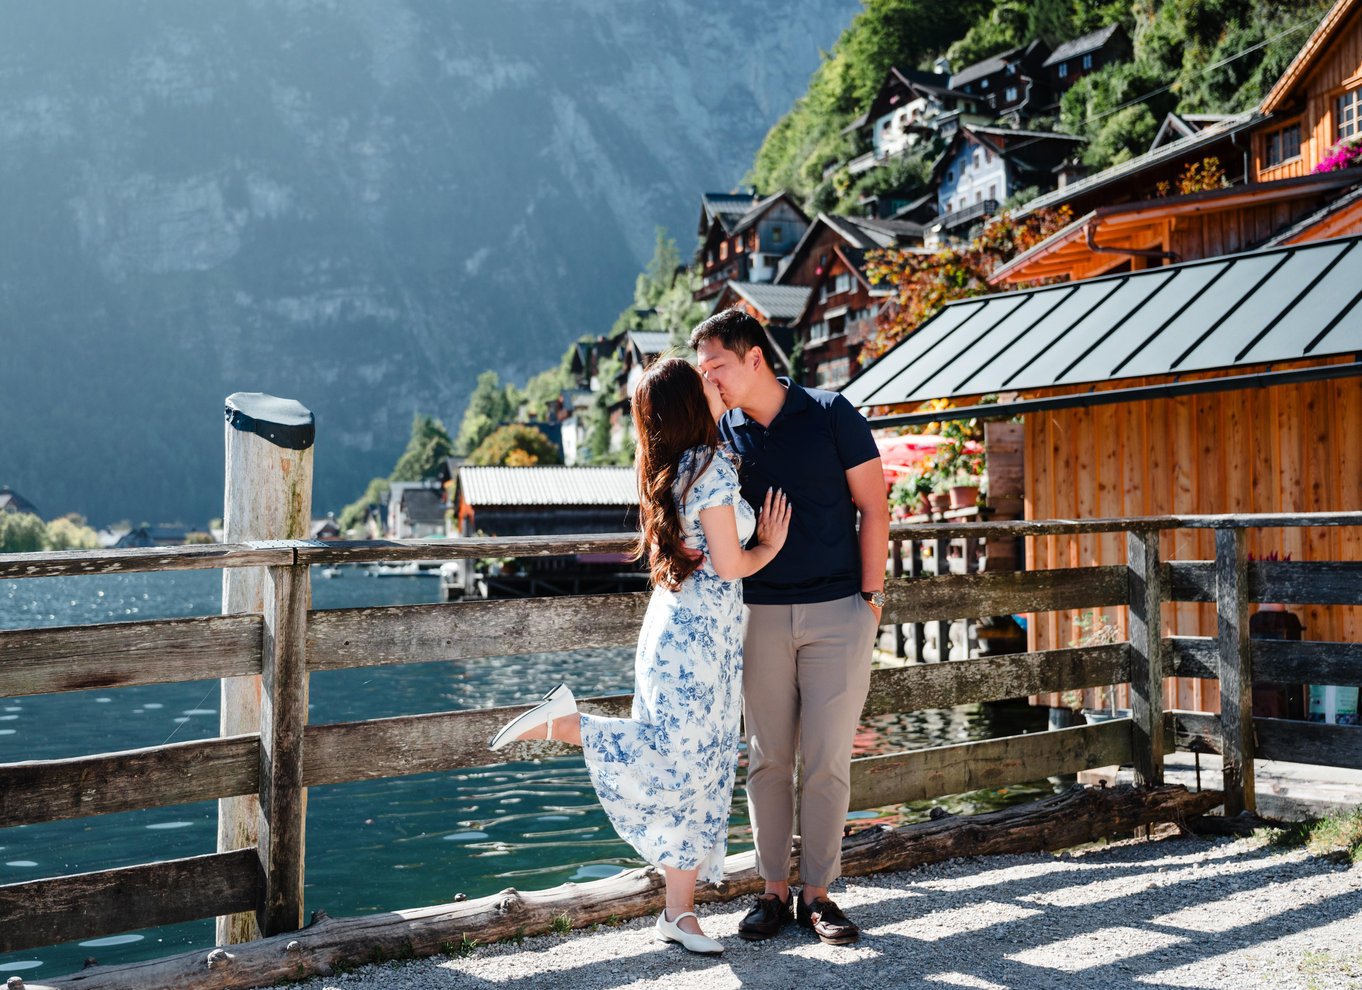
(665, 776)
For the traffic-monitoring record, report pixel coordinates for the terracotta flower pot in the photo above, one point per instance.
(939, 502)
(964, 496)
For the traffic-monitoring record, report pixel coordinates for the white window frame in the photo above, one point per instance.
(1348, 114)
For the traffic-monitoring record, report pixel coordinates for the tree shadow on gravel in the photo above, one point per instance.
(1063, 922)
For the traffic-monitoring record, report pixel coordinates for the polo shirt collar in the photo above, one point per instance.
(796, 400)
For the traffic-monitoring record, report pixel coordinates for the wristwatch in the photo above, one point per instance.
(875, 598)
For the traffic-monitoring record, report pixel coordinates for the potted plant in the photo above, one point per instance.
(940, 497)
(909, 493)
(964, 490)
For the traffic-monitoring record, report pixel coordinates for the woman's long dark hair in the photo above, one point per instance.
(671, 416)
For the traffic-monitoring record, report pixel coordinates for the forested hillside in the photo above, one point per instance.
(1194, 56)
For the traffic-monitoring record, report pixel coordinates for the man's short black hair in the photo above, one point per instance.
(735, 330)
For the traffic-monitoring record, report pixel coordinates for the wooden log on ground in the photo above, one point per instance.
(1077, 816)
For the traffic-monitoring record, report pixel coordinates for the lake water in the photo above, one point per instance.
(374, 845)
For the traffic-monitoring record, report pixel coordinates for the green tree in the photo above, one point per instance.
(22, 532)
(426, 451)
(489, 406)
(656, 280)
(70, 532)
(516, 445)
(1007, 25)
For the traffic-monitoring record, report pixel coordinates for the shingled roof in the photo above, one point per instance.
(1089, 42)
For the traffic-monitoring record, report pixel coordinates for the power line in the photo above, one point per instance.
(1214, 65)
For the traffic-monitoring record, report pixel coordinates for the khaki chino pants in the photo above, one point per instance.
(806, 673)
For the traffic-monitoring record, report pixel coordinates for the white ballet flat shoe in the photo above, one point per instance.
(669, 931)
(556, 704)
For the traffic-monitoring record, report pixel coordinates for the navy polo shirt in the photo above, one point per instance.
(806, 451)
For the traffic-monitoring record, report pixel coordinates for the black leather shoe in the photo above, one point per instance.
(767, 917)
(827, 921)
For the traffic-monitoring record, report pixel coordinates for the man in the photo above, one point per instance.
(813, 614)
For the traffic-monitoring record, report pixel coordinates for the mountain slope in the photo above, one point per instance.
(360, 205)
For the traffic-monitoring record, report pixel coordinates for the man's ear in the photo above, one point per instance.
(760, 358)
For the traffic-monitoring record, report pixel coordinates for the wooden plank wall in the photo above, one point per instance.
(1291, 448)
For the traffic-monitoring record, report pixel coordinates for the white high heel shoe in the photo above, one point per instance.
(556, 704)
(670, 931)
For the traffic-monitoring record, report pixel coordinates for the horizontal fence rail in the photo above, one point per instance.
(51, 660)
(59, 563)
(44, 912)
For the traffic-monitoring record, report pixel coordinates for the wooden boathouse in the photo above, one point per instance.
(1222, 386)
(269, 640)
(534, 501)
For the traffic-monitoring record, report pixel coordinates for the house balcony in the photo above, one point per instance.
(967, 216)
(714, 279)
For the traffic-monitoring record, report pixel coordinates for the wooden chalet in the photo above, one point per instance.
(1083, 56)
(1154, 232)
(642, 348)
(1226, 140)
(537, 501)
(840, 310)
(153, 536)
(746, 248)
(984, 165)
(776, 307)
(910, 107)
(1316, 103)
(416, 509)
(1014, 83)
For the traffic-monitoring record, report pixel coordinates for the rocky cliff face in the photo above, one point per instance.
(359, 204)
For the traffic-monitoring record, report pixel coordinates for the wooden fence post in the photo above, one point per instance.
(268, 496)
(1146, 654)
(1236, 671)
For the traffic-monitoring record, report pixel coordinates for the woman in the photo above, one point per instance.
(665, 776)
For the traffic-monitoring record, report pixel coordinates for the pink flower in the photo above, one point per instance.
(1343, 155)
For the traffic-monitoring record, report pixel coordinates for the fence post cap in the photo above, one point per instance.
(283, 422)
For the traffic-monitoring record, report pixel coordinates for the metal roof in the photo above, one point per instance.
(1173, 150)
(984, 67)
(1260, 307)
(483, 487)
(778, 302)
(1089, 42)
(650, 341)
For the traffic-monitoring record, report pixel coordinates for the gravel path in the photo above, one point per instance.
(1178, 912)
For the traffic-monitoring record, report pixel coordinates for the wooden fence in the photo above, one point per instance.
(286, 641)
